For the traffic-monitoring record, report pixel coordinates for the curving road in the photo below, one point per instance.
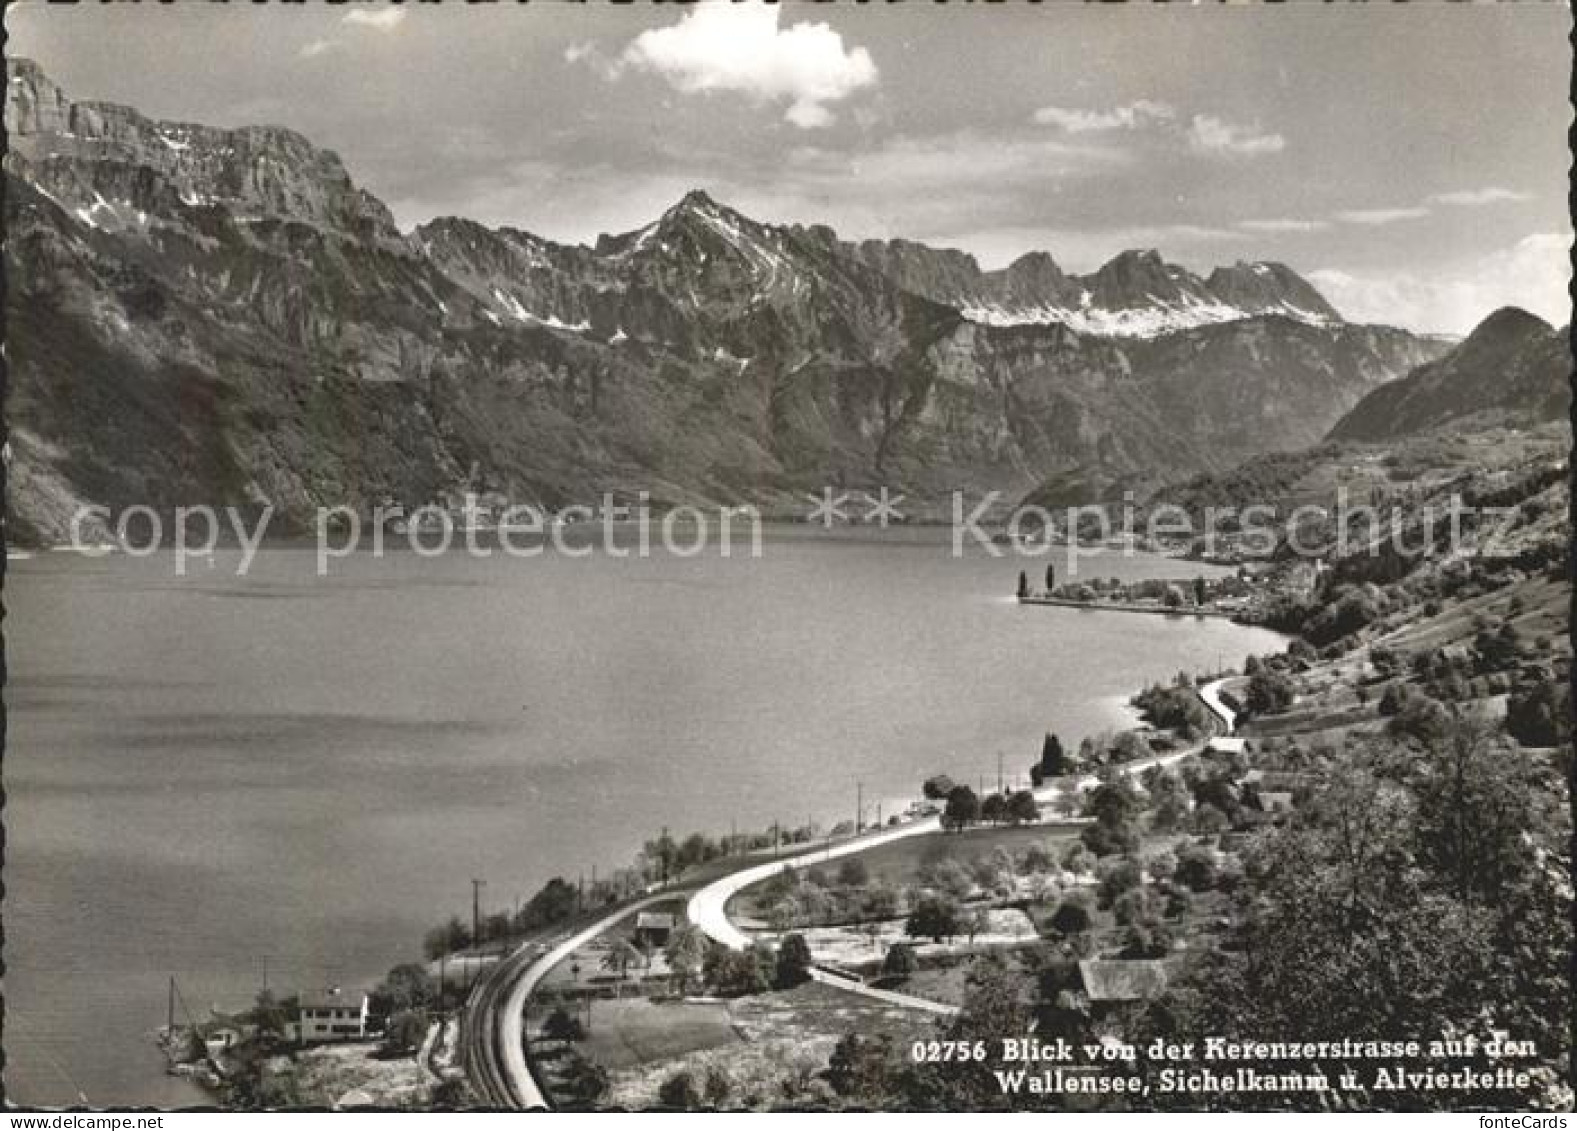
(492, 1029)
(708, 906)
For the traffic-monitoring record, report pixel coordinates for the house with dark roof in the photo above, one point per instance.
(653, 928)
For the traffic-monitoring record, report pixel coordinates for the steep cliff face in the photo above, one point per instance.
(218, 316)
(1514, 368)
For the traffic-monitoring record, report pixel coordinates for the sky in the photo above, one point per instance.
(1410, 160)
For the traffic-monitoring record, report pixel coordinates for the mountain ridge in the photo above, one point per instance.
(262, 331)
(1513, 369)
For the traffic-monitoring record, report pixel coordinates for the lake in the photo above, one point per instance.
(208, 772)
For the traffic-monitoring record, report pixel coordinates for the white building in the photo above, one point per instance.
(332, 1015)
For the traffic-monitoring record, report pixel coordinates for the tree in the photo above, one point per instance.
(405, 1031)
(1200, 591)
(736, 973)
(900, 961)
(663, 853)
(1116, 878)
(716, 1087)
(1072, 917)
(1196, 868)
(1146, 938)
(1132, 906)
(620, 957)
(1422, 719)
(1022, 808)
(1168, 801)
(585, 1083)
(993, 810)
(406, 986)
(1539, 713)
(686, 954)
(554, 902)
(994, 1007)
(881, 902)
(269, 1014)
(1053, 758)
(1269, 693)
(1476, 803)
(853, 873)
(793, 963)
(935, 917)
(1114, 802)
(452, 936)
(861, 1067)
(680, 1093)
(938, 787)
(963, 808)
(560, 1026)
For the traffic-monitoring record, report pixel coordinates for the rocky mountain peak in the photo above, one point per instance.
(117, 168)
(1273, 287)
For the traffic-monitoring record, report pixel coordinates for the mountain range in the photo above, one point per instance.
(202, 315)
(1513, 369)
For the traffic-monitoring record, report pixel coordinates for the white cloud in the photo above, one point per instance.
(315, 48)
(1474, 198)
(1208, 134)
(1533, 274)
(1130, 117)
(383, 19)
(1278, 227)
(1377, 216)
(741, 49)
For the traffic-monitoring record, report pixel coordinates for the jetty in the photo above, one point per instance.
(1125, 607)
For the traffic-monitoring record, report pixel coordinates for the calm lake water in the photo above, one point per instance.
(208, 770)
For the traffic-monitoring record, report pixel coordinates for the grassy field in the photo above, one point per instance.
(636, 1031)
(899, 863)
(770, 1047)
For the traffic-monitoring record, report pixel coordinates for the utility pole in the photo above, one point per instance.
(476, 910)
(265, 973)
(859, 804)
(999, 771)
(169, 1026)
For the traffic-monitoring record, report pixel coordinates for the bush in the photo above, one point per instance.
(1269, 693)
(794, 962)
(1131, 907)
(853, 873)
(900, 961)
(560, 1026)
(1110, 840)
(1196, 868)
(935, 917)
(680, 1093)
(1072, 917)
(1539, 714)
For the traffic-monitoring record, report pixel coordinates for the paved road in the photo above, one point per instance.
(708, 906)
(493, 1028)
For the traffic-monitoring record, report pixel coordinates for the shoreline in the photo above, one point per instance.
(1117, 607)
